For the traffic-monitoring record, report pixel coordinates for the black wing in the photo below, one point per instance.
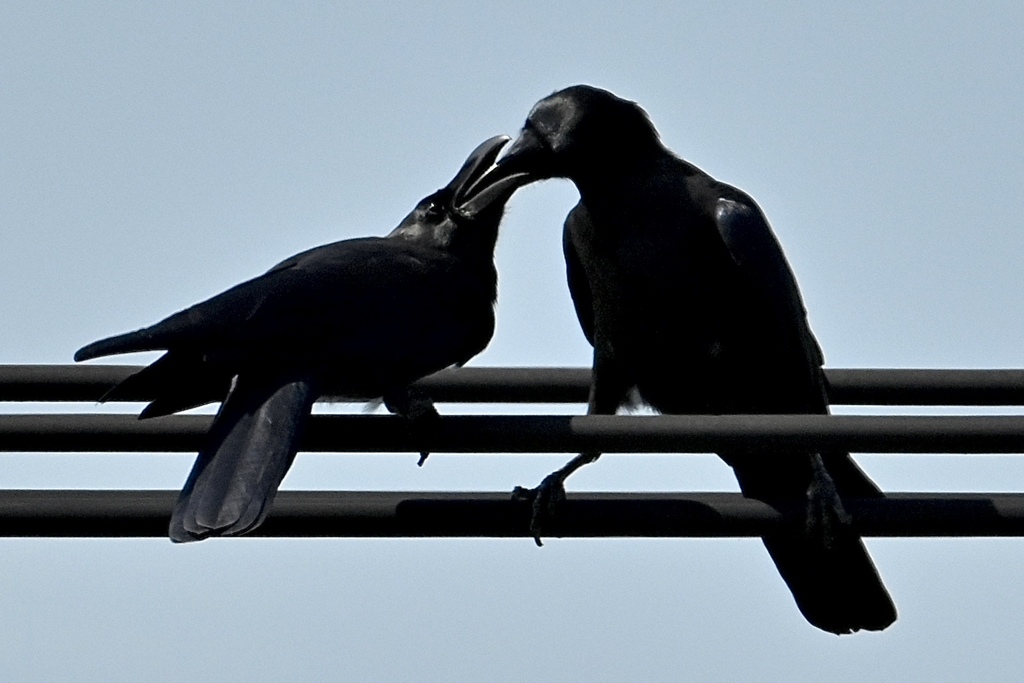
(757, 252)
(345, 285)
(755, 249)
(577, 223)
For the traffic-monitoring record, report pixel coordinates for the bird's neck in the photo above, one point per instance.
(612, 175)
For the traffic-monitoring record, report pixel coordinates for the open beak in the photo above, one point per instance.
(517, 167)
(475, 194)
(480, 160)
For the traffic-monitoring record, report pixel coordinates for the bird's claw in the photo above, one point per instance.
(827, 519)
(545, 502)
(422, 426)
(419, 410)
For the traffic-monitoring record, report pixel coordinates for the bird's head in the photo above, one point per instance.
(576, 132)
(463, 216)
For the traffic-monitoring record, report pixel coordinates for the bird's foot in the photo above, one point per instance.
(827, 519)
(419, 410)
(422, 424)
(545, 501)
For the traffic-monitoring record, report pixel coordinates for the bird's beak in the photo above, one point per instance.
(480, 160)
(516, 167)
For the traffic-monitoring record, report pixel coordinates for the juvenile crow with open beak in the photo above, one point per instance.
(363, 318)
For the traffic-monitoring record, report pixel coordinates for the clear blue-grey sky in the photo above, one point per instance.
(153, 154)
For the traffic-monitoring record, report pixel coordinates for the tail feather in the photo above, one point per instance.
(819, 555)
(249, 450)
(850, 480)
(836, 587)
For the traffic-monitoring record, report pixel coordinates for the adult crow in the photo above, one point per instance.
(684, 293)
(362, 317)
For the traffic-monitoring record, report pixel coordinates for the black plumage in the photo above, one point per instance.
(685, 294)
(363, 317)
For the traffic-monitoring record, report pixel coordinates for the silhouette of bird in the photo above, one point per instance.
(683, 290)
(363, 317)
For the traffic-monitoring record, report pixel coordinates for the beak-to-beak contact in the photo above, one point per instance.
(516, 167)
(479, 162)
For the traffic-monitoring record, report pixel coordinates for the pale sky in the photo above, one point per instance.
(153, 154)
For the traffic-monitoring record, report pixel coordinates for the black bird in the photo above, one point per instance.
(684, 292)
(362, 317)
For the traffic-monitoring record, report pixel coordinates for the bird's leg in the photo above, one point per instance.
(415, 406)
(546, 499)
(607, 389)
(827, 519)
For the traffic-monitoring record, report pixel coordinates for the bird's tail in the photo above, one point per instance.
(819, 555)
(835, 585)
(248, 452)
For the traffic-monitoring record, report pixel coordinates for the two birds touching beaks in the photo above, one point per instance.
(679, 285)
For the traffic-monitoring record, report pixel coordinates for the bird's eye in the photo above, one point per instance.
(434, 210)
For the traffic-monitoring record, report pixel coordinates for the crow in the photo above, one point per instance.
(362, 318)
(684, 292)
